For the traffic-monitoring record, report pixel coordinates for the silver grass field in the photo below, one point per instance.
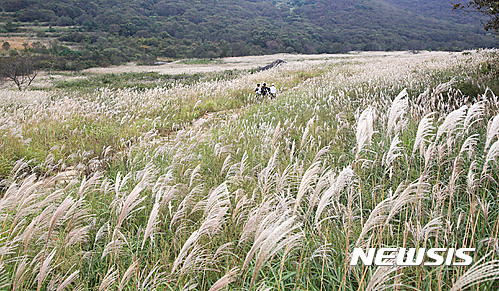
(205, 187)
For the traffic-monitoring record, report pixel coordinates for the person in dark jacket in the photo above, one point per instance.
(265, 90)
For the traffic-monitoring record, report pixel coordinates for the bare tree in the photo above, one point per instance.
(19, 68)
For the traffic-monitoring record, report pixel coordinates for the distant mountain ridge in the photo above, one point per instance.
(398, 24)
(219, 28)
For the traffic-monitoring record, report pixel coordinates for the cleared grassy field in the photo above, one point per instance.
(201, 186)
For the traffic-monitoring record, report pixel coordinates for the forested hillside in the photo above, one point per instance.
(103, 32)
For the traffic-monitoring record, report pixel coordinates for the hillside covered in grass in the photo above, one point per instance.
(202, 186)
(96, 33)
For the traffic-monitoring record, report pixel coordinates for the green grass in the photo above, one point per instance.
(83, 133)
(195, 61)
(141, 81)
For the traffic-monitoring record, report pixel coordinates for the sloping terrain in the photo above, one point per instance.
(113, 32)
(205, 186)
(393, 25)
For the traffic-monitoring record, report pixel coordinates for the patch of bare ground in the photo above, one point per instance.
(18, 42)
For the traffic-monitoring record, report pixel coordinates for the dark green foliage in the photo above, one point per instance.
(6, 46)
(36, 13)
(9, 26)
(489, 8)
(112, 32)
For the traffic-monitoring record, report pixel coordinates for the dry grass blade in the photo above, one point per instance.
(381, 276)
(218, 198)
(108, 280)
(86, 184)
(425, 129)
(266, 242)
(308, 180)
(153, 278)
(65, 205)
(191, 241)
(492, 131)
(474, 115)
(365, 129)
(492, 154)
(65, 284)
(384, 211)
(393, 153)
(441, 88)
(469, 145)
(478, 273)
(228, 278)
(345, 177)
(21, 273)
(114, 246)
(421, 234)
(128, 273)
(131, 201)
(378, 217)
(45, 269)
(4, 277)
(454, 121)
(151, 223)
(399, 108)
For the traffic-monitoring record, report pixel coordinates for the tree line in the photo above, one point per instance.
(110, 32)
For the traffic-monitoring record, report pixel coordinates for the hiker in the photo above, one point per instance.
(273, 91)
(265, 90)
(258, 91)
